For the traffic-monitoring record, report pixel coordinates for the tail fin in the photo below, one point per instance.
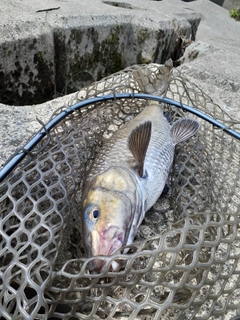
(183, 129)
(154, 80)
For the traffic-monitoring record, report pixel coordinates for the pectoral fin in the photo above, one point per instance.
(138, 142)
(183, 129)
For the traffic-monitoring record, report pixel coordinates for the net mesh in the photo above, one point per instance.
(184, 262)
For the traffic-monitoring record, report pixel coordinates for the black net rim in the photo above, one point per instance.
(15, 160)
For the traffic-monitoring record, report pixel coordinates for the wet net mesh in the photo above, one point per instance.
(184, 263)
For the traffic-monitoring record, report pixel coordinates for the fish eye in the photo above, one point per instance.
(93, 213)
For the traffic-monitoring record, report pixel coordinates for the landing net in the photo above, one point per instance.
(184, 263)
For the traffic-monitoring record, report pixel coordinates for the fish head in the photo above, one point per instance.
(110, 212)
(106, 220)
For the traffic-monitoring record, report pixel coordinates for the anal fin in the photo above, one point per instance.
(138, 142)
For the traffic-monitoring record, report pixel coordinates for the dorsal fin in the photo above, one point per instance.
(183, 129)
(138, 142)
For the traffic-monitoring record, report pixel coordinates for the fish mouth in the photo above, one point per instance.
(106, 242)
(96, 266)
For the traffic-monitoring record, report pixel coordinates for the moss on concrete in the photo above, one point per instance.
(30, 79)
(77, 57)
(142, 35)
(77, 64)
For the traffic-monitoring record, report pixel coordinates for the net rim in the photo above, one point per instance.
(9, 166)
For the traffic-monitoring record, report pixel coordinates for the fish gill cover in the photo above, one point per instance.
(184, 262)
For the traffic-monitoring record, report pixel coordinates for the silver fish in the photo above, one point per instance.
(127, 177)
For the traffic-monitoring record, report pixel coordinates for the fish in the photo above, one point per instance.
(127, 177)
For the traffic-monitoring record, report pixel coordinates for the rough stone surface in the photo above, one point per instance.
(51, 53)
(221, 83)
(231, 4)
(212, 62)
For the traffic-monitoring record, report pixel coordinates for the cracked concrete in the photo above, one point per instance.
(66, 49)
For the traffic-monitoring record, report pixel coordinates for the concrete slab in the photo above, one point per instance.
(37, 31)
(216, 72)
(46, 53)
(231, 4)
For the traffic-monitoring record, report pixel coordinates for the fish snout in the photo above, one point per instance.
(106, 241)
(96, 265)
